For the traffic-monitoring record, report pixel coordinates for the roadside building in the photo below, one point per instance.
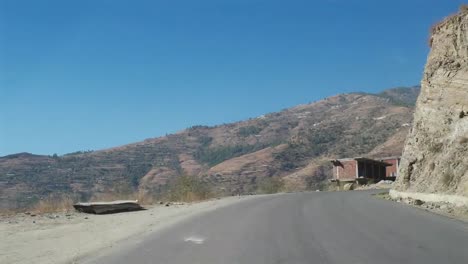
(359, 169)
(392, 171)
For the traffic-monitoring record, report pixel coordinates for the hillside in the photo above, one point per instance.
(435, 159)
(294, 144)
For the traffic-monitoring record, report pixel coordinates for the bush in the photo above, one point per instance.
(53, 204)
(270, 185)
(189, 189)
(318, 181)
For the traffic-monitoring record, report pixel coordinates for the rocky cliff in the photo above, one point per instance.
(435, 158)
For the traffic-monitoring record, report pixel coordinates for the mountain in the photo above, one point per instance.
(402, 95)
(435, 159)
(294, 145)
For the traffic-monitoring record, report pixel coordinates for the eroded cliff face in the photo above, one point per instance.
(435, 157)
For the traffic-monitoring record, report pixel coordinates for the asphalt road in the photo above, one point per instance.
(321, 227)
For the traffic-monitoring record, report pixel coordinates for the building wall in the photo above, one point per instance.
(392, 171)
(371, 170)
(347, 170)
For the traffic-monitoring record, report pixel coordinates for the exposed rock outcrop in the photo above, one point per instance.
(435, 158)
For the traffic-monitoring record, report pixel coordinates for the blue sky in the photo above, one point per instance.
(79, 75)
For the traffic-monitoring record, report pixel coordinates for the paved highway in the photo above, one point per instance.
(319, 227)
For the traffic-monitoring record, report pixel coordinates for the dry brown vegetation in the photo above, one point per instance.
(183, 189)
(53, 204)
(113, 196)
(142, 197)
(270, 185)
(189, 189)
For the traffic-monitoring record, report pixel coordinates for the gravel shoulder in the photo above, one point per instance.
(67, 237)
(442, 208)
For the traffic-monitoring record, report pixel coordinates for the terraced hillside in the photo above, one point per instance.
(293, 145)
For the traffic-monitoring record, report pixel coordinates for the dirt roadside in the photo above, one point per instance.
(66, 237)
(443, 208)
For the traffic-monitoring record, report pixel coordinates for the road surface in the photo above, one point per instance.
(319, 227)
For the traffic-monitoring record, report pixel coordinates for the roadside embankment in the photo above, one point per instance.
(456, 200)
(453, 206)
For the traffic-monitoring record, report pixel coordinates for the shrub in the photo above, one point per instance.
(54, 203)
(270, 185)
(318, 181)
(188, 189)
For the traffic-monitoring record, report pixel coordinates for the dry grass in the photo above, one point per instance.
(189, 189)
(191, 196)
(269, 185)
(185, 189)
(53, 204)
(112, 196)
(143, 198)
(11, 212)
(64, 203)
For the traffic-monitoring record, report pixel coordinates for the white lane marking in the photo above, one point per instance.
(195, 240)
